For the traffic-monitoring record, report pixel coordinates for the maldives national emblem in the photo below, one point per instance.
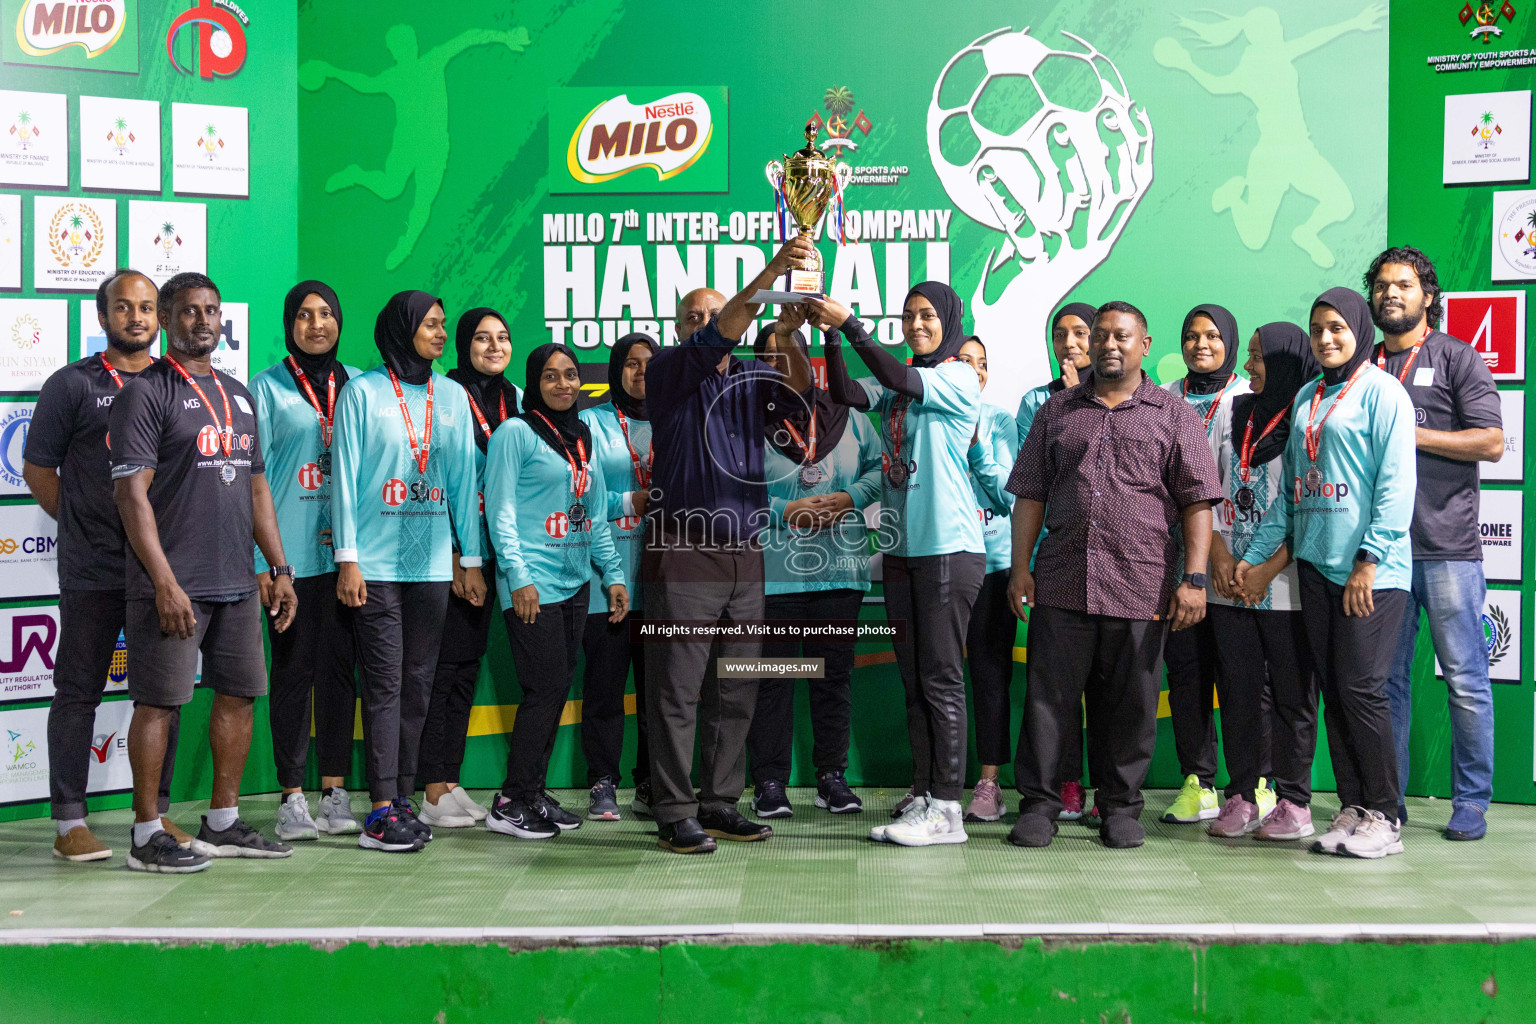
(75, 235)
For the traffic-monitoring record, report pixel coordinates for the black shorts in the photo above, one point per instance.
(163, 669)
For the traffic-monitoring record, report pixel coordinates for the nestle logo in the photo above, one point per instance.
(612, 137)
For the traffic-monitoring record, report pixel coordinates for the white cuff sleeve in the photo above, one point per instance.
(469, 561)
(346, 555)
(629, 503)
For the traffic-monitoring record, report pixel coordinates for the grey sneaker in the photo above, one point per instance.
(1344, 825)
(1375, 837)
(603, 802)
(293, 820)
(239, 840)
(161, 855)
(335, 816)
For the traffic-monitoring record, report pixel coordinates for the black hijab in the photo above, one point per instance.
(395, 330)
(626, 403)
(1084, 312)
(568, 428)
(1288, 366)
(316, 368)
(1351, 305)
(1196, 383)
(485, 388)
(950, 308)
(831, 418)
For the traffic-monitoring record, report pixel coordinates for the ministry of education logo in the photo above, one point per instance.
(1496, 634)
(75, 235)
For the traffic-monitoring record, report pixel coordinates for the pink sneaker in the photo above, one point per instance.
(1073, 797)
(1286, 822)
(986, 802)
(1238, 817)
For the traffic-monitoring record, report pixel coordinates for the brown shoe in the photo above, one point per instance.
(79, 845)
(182, 839)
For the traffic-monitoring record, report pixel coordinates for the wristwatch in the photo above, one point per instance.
(281, 570)
(1196, 579)
(1363, 555)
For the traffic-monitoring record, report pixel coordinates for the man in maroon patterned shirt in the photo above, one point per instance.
(1111, 467)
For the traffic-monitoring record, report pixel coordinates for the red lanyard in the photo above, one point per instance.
(580, 478)
(227, 428)
(424, 451)
(642, 474)
(115, 378)
(809, 449)
(1402, 375)
(480, 416)
(1245, 453)
(1210, 414)
(898, 419)
(328, 414)
(1315, 438)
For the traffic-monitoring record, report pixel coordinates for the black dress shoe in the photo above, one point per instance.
(1033, 830)
(1122, 832)
(729, 824)
(686, 836)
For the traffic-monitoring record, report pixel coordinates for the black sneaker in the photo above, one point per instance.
(162, 855)
(514, 818)
(834, 793)
(686, 836)
(239, 840)
(409, 820)
(385, 830)
(770, 801)
(556, 815)
(729, 824)
(641, 804)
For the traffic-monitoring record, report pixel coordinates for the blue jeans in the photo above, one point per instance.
(1452, 593)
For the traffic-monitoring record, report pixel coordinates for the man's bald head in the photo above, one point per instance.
(696, 309)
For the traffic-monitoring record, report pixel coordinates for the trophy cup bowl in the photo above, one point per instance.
(807, 179)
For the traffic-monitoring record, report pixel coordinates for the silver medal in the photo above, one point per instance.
(1314, 480)
(325, 463)
(577, 513)
(227, 474)
(1245, 498)
(897, 475)
(810, 476)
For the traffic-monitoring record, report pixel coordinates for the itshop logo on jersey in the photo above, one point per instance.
(208, 441)
(558, 525)
(310, 476)
(1324, 489)
(397, 492)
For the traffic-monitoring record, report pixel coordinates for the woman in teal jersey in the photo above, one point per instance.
(1209, 343)
(1351, 478)
(1070, 330)
(545, 496)
(312, 659)
(621, 444)
(934, 556)
(1267, 686)
(823, 468)
(405, 462)
(484, 347)
(989, 639)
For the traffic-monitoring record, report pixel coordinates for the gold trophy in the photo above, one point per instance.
(805, 183)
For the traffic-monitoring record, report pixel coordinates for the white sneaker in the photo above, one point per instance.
(1344, 825)
(293, 820)
(467, 803)
(446, 813)
(1374, 838)
(335, 817)
(941, 823)
(915, 809)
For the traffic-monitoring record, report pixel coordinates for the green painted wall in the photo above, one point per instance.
(875, 982)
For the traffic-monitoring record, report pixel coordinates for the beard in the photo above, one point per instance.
(1401, 320)
(194, 347)
(128, 346)
(1117, 373)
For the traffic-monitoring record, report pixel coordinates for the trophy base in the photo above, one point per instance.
(765, 297)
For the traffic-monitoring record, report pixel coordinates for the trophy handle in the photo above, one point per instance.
(844, 174)
(775, 174)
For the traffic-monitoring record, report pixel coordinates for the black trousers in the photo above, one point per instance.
(89, 622)
(1117, 664)
(397, 631)
(1353, 656)
(314, 655)
(933, 595)
(1190, 655)
(466, 632)
(610, 657)
(682, 698)
(770, 743)
(1268, 695)
(544, 653)
(989, 652)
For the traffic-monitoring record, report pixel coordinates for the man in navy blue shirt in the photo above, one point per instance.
(702, 562)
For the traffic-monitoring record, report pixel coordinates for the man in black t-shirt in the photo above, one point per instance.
(65, 467)
(191, 486)
(1460, 423)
